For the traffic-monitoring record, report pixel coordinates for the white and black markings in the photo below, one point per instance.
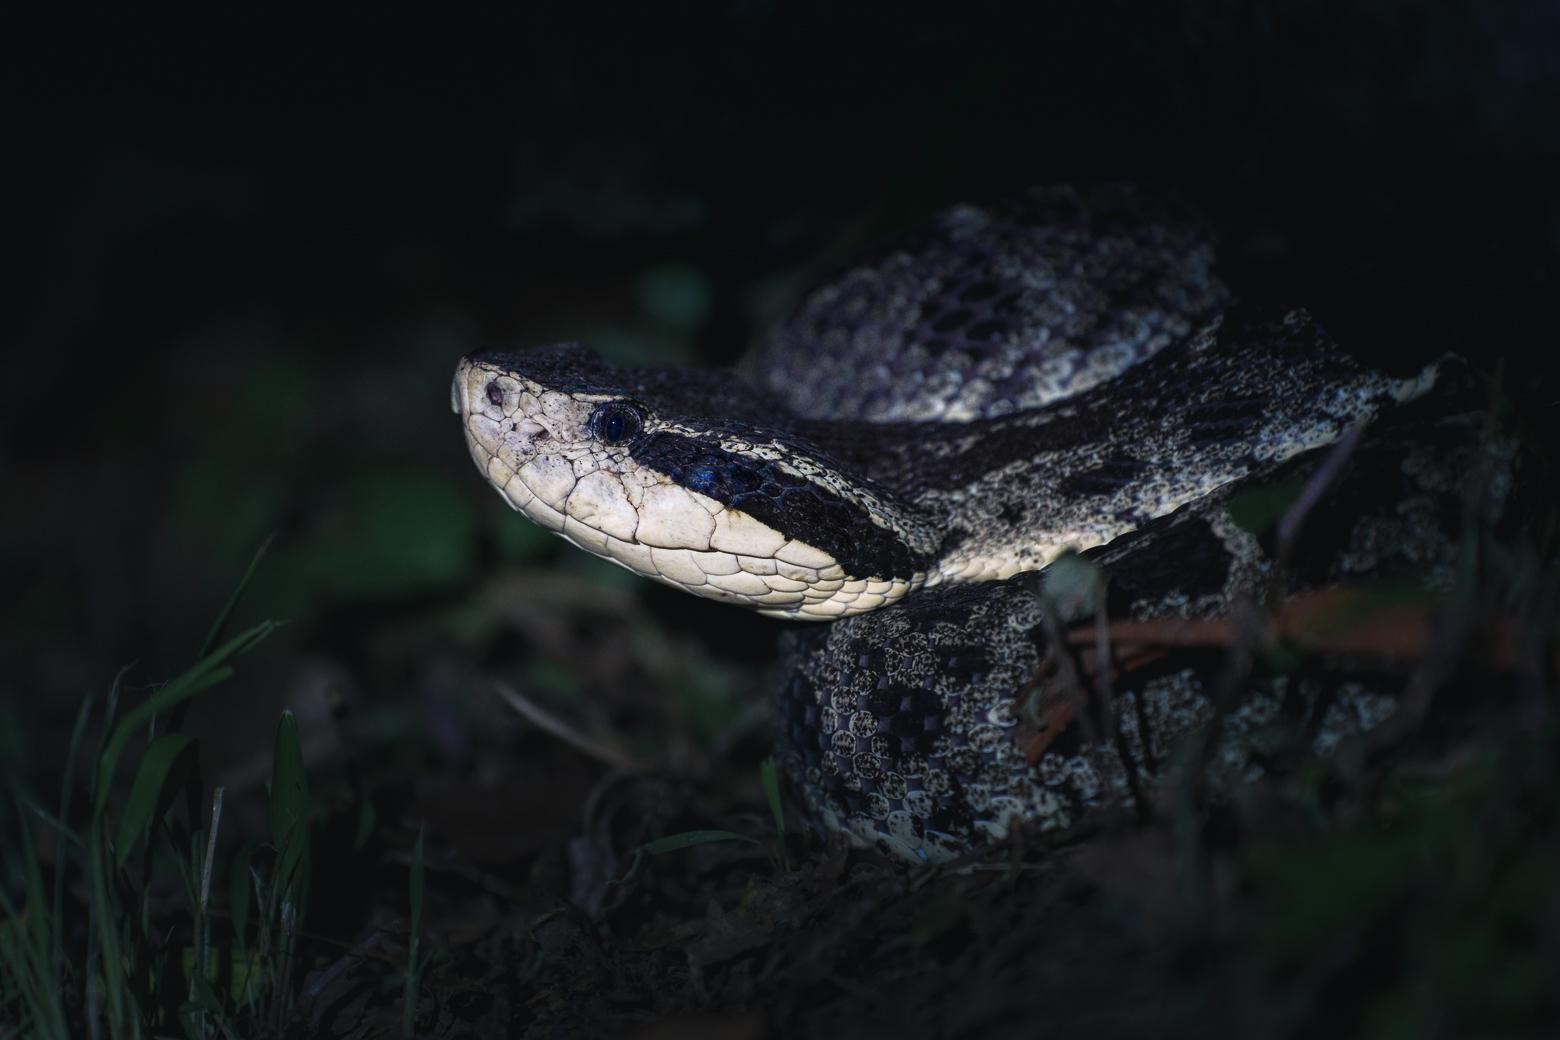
(678, 508)
(790, 505)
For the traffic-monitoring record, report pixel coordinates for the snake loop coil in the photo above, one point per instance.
(932, 427)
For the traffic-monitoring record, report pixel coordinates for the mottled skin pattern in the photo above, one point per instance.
(1011, 493)
(991, 311)
(960, 408)
(916, 728)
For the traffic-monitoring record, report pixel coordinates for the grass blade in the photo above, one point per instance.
(674, 842)
(106, 914)
(28, 953)
(239, 891)
(769, 777)
(289, 804)
(54, 823)
(207, 857)
(415, 885)
(242, 982)
(67, 790)
(167, 762)
(688, 839)
(412, 984)
(204, 674)
(290, 833)
(220, 624)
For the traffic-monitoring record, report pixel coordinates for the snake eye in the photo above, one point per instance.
(495, 394)
(617, 422)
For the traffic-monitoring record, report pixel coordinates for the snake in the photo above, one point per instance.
(908, 456)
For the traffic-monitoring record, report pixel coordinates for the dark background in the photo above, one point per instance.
(252, 252)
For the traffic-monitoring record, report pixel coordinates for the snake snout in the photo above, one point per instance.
(469, 391)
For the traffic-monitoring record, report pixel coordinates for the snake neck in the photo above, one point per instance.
(1010, 494)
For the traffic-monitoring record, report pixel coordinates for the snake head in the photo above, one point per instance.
(670, 476)
(553, 439)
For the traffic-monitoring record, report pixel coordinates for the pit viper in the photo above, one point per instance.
(908, 454)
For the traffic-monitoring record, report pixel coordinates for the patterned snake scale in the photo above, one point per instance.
(930, 430)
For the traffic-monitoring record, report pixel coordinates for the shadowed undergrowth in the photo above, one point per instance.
(1401, 887)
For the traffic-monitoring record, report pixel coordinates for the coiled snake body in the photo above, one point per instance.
(948, 416)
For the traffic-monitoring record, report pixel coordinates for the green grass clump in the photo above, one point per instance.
(127, 959)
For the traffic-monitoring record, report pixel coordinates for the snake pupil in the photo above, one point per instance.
(616, 423)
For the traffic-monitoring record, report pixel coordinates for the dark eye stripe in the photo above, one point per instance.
(790, 504)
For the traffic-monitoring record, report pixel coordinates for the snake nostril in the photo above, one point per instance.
(495, 394)
(530, 433)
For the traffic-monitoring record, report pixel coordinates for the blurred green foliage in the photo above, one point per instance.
(1438, 918)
